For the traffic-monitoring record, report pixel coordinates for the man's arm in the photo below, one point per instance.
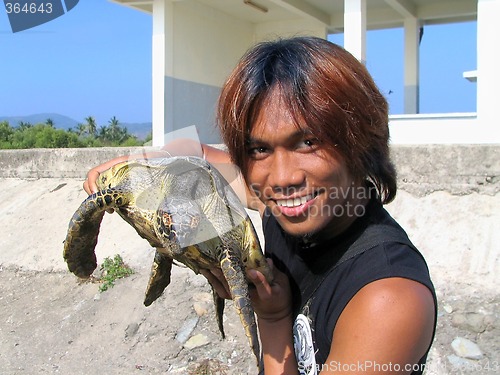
(220, 159)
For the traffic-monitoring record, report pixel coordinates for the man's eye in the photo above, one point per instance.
(308, 143)
(257, 150)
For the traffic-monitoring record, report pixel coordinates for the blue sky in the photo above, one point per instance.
(96, 60)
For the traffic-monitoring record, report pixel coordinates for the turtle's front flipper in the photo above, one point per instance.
(235, 276)
(160, 277)
(83, 229)
(81, 238)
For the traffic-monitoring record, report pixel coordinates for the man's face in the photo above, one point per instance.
(308, 189)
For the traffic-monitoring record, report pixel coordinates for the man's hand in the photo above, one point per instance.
(270, 301)
(273, 301)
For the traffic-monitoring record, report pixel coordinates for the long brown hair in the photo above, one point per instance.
(327, 90)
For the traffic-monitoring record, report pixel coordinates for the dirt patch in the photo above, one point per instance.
(49, 323)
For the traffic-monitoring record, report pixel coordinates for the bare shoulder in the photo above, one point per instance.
(388, 320)
(394, 293)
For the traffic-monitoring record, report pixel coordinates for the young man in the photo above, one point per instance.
(308, 128)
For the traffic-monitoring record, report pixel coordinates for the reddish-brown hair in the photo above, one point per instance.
(326, 90)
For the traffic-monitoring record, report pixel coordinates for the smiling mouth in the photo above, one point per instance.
(295, 202)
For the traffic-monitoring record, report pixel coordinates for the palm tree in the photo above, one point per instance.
(81, 129)
(24, 125)
(116, 132)
(91, 126)
(114, 126)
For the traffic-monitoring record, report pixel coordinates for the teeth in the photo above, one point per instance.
(293, 202)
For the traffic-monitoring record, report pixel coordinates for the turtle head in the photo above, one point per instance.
(177, 221)
(113, 176)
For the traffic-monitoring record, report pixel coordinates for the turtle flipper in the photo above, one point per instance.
(83, 230)
(219, 311)
(235, 276)
(160, 277)
(252, 255)
(81, 238)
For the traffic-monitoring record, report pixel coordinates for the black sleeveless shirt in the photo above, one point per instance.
(324, 277)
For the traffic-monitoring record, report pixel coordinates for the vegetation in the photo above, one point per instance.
(46, 135)
(208, 367)
(113, 269)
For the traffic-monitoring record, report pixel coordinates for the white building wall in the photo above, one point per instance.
(488, 72)
(194, 49)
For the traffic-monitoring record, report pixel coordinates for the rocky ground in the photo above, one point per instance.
(49, 323)
(52, 324)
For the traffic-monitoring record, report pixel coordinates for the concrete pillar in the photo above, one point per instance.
(411, 65)
(195, 46)
(355, 28)
(488, 74)
(162, 50)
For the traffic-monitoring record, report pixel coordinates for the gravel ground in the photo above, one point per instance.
(49, 323)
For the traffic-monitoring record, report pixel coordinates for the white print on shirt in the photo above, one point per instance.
(303, 345)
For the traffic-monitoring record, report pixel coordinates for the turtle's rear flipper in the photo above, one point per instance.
(160, 277)
(235, 277)
(219, 311)
(81, 238)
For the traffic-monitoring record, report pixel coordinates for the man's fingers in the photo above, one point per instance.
(261, 285)
(86, 187)
(89, 184)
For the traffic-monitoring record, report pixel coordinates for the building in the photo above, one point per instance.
(196, 43)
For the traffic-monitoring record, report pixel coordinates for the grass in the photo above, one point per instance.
(208, 367)
(113, 269)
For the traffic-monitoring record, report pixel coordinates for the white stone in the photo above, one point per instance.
(466, 349)
(196, 341)
(448, 308)
(186, 330)
(200, 308)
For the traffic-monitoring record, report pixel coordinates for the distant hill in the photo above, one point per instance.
(60, 121)
(140, 130)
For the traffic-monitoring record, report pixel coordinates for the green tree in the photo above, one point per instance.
(149, 138)
(6, 132)
(43, 136)
(116, 135)
(81, 129)
(91, 126)
(24, 125)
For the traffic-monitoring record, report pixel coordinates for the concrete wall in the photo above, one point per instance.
(448, 202)
(458, 169)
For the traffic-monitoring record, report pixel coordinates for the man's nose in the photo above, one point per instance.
(286, 171)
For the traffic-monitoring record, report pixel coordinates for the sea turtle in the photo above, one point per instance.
(189, 213)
